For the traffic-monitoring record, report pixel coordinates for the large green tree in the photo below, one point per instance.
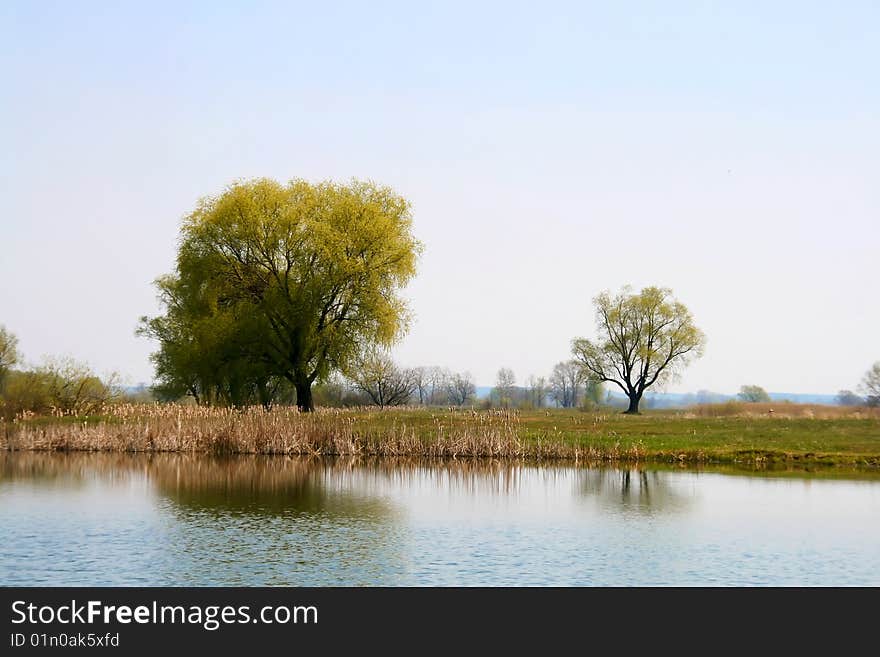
(291, 280)
(206, 348)
(644, 338)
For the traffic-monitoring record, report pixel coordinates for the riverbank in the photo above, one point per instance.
(749, 434)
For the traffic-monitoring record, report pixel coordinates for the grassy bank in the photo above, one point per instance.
(729, 433)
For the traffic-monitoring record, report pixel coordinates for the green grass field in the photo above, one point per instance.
(680, 435)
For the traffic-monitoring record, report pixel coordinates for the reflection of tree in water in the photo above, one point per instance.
(259, 485)
(300, 521)
(636, 489)
(342, 487)
(275, 520)
(246, 484)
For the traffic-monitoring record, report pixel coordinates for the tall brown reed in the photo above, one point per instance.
(177, 428)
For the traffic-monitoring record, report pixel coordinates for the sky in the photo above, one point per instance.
(728, 151)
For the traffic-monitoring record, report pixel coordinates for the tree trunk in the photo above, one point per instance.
(634, 399)
(263, 394)
(304, 396)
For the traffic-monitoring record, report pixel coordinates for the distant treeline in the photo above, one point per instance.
(379, 381)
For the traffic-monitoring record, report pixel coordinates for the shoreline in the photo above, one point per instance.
(779, 468)
(557, 435)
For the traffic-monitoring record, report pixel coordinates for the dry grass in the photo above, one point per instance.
(331, 432)
(782, 410)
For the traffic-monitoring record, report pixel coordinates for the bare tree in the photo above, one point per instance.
(536, 391)
(439, 385)
(431, 384)
(422, 380)
(848, 398)
(461, 388)
(871, 385)
(566, 383)
(72, 386)
(386, 384)
(504, 387)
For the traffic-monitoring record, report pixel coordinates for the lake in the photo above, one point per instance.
(188, 520)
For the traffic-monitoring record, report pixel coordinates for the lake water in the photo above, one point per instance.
(116, 519)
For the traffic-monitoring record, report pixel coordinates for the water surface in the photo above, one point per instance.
(117, 519)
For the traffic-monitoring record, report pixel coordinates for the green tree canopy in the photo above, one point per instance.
(753, 394)
(644, 338)
(285, 282)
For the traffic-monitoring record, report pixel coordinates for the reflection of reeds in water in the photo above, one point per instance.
(263, 475)
(273, 479)
(154, 428)
(78, 467)
(311, 482)
(361, 487)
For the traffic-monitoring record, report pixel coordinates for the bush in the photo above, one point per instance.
(25, 392)
(60, 386)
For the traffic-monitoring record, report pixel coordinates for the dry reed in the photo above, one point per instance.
(784, 410)
(329, 432)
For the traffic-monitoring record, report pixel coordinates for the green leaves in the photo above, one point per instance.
(298, 278)
(644, 338)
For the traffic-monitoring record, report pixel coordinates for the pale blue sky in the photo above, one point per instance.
(551, 150)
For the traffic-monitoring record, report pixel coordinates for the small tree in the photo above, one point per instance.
(461, 388)
(386, 384)
(753, 394)
(504, 387)
(422, 380)
(8, 352)
(848, 398)
(438, 385)
(871, 385)
(431, 384)
(644, 339)
(593, 393)
(72, 387)
(536, 391)
(566, 383)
